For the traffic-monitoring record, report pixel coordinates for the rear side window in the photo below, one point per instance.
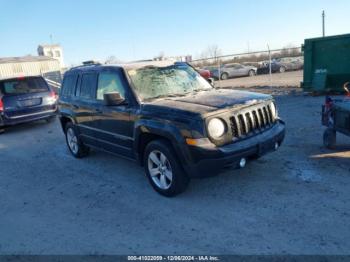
(88, 85)
(69, 83)
(23, 86)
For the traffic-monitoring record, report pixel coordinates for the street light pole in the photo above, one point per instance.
(323, 24)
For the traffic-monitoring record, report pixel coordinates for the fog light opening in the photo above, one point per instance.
(242, 162)
(277, 145)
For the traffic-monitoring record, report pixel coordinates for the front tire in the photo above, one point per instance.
(163, 169)
(329, 138)
(282, 69)
(74, 143)
(251, 73)
(224, 76)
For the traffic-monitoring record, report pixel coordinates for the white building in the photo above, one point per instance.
(54, 51)
(30, 66)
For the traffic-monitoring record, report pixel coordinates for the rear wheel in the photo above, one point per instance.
(282, 69)
(224, 76)
(74, 143)
(163, 169)
(251, 73)
(329, 138)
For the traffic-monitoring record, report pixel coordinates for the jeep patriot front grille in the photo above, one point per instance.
(255, 120)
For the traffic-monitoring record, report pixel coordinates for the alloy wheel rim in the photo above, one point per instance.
(72, 141)
(160, 169)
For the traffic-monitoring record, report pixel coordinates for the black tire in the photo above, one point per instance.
(282, 69)
(82, 150)
(329, 138)
(251, 73)
(224, 76)
(179, 180)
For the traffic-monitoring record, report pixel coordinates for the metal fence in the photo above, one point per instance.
(252, 63)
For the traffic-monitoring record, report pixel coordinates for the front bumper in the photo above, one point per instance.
(209, 160)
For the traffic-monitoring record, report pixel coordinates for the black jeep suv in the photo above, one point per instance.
(167, 117)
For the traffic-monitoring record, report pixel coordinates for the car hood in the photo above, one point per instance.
(209, 101)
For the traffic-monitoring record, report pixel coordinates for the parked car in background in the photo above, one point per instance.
(26, 99)
(280, 66)
(233, 70)
(204, 73)
(167, 117)
(275, 68)
(290, 64)
(254, 64)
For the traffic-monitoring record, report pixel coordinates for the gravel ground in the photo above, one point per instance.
(293, 201)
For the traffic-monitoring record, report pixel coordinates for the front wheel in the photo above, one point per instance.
(224, 76)
(251, 73)
(163, 169)
(282, 69)
(74, 143)
(329, 138)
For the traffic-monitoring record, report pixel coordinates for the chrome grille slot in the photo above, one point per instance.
(254, 120)
(249, 122)
(262, 119)
(242, 126)
(270, 113)
(266, 115)
(234, 127)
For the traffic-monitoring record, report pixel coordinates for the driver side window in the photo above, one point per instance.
(109, 82)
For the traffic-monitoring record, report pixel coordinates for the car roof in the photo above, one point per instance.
(126, 66)
(19, 77)
(230, 64)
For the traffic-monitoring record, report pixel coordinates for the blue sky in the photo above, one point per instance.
(141, 29)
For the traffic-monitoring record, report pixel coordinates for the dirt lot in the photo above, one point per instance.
(276, 80)
(293, 201)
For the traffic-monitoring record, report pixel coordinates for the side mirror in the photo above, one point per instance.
(113, 99)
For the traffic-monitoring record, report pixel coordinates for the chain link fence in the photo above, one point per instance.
(266, 62)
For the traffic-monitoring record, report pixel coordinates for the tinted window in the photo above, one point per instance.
(109, 82)
(23, 86)
(88, 85)
(68, 86)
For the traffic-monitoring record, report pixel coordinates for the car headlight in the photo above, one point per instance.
(216, 128)
(273, 111)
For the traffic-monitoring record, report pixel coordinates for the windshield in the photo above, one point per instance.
(154, 82)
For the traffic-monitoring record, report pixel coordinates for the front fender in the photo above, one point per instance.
(174, 133)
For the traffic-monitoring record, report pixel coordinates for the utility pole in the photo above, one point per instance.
(323, 24)
(270, 66)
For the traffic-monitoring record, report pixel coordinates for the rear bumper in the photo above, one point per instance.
(211, 160)
(10, 121)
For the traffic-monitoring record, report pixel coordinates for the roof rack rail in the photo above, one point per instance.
(86, 63)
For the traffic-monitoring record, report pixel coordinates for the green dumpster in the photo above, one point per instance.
(326, 63)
